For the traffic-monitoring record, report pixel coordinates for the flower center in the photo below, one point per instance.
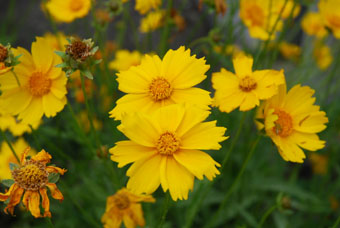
(121, 201)
(255, 15)
(3, 53)
(32, 176)
(39, 84)
(247, 84)
(78, 50)
(167, 143)
(76, 5)
(160, 89)
(284, 124)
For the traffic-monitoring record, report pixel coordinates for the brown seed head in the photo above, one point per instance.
(3, 53)
(78, 50)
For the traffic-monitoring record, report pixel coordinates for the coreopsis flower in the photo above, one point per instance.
(152, 21)
(57, 42)
(290, 51)
(164, 147)
(31, 180)
(245, 88)
(144, 6)
(7, 157)
(319, 163)
(292, 121)
(7, 59)
(68, 10)
(322, 55)
(330, 13)
(125, 206)
(42, 89)
(312, 24)
(288, 8)
(156, 83)
(15, 126)
(124, 59)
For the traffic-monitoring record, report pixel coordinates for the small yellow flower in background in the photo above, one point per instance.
(156, 83)
(56, 42)
(144, 6)
(124, 59)
(42, 89)
(6, 156)
(30, 180)
(84, 121)
(75, 84)
(152, 21)
(279, 5)
(330, 13)
(292, 120)
(322, 55)
(178, 19)
(319, 163)
(245, 88)
(290, 51)
(312, 25)
(230, 50)
(125, 206)
(334, 203)
(15, 126)
(68, 10)
(164, 148)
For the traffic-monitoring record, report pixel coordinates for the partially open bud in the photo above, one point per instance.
(3, 53)
(80, 50)
(7, 59)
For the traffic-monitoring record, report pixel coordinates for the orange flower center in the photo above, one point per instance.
(121, 201)
(2, 66)
(247, 84)
(284, 124)
(3, 53)
(255, 14)
(160, 89)
(76, 5)
(32, 176)
(39, 84)
(167, 143)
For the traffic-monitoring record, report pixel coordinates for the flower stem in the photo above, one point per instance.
(10, 146)
(266, 214)
(165, 34)
(336, 224)
(165, 210)
(16, 77)
(49, 221)
(234, 184)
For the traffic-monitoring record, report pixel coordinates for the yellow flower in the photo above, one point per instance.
(312, 25)
(319, 163)
(290, 51)
(31, 180)
(245, 88)
(144, 6)
(42, 87)
(232, 50)
(124, 206)
(279, 5)
(323, 55)
(6, 156)
(152, 21)
(56, 42)
(156, 83)
(124, 59)
(330, 13)
(68, 10)
(292, 120)
(15, 126)
(164, 148)
(84, 121)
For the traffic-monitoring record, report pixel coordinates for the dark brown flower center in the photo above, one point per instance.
(121, 201)
(3, 53)
(78, 50)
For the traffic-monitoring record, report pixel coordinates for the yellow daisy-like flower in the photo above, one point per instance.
(290, 51)
(312, 25)
(125, 206)
(6, 156)
(56, 42)
(68, 10)
(330, 13)
(42, 87)
(144, 6)
(322, 55)
(156, 83)
(164, 148)
(31, 180)
(15, 126)
(292, 120)
(152, 21)
(124, 59)
(245, 88)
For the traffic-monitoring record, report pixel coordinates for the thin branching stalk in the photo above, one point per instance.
(10, 146)
(266, 215)
(165, 210)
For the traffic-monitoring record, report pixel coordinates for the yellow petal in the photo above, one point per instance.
(169, 117)
(137, 212)
(56, 194)
(33, 112)
(34, 202)
(308, 141)
(52, 105)
(42, 156)
(194, 96)
(45, 202)
(243, 65)
(249, 102)
(53, 169)
(42, 55)
(15, 101)
(128, 221)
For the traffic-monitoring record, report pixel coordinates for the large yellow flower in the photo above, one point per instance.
(6, 156)
(124, 206)
(312, 24)
(68, 10)
(42, 87)
(31, 181)
(156, 83)
(330, 13)
(292, 120)
(144, 6)
(124, 59)
(164, 148)
(245, 88)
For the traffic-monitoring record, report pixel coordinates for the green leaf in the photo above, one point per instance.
(60, 53)
(53, 177)
(98, 61)
(7, 182)
(87, 74)
(13, 166)
(61, 65)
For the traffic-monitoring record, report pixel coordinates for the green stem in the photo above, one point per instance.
(16, 77)
(10, 146)
(165, 34)
(165, 210)
(49, 221)
(266, 215)
(336, 224)
(234, 184)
